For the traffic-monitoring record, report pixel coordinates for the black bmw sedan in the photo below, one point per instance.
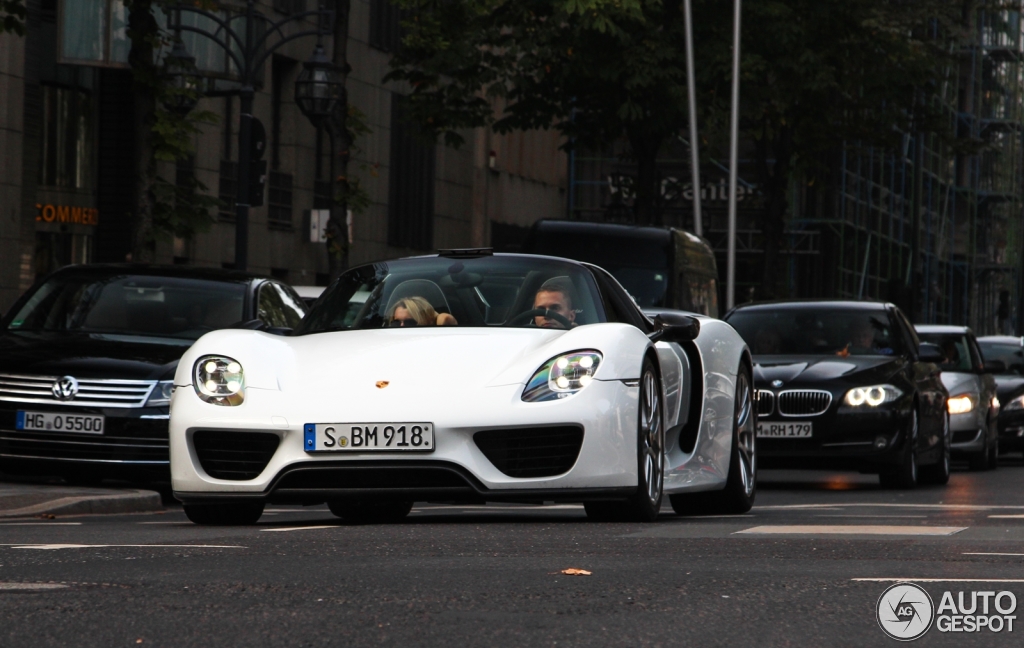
(846, 385)
(87, 358)
(1004, 357)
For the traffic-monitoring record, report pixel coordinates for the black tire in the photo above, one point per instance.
(233, 514)
(741, 485)
(370, 512)
(650, 433)
(903, 476)
(993, 451)
(979, 461)
(938, 473)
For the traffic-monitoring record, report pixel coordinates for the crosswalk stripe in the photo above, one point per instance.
(850, 529)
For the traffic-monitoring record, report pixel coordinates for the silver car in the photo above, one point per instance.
(973, 405)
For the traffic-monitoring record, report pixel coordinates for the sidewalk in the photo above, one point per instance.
(24, 499)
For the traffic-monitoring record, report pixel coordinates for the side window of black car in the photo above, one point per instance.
(276, 307)
(909, 338)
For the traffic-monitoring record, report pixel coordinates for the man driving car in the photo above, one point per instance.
(555, 295)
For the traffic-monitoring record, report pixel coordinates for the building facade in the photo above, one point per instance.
(66, 168)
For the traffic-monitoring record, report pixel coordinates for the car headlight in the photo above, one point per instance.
(1014, 404)
(960, 404)
(161, 394)
(562, 376)
(872, 396)
(219, 380)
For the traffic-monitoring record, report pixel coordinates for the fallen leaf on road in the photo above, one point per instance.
(575, 572)
(47, 516)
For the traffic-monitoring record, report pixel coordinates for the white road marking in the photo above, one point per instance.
(24, 545)
(304, 528)
(939, 580)
(844, 529)
(40, 524)
(30, 587)
(980, 553)
(712, 517)
(1008, 517)
(900, 517)
(942, 507)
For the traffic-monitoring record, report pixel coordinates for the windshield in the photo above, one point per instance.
(431, 291)
(1012, 355)
(132, 305)
(641, 266)
(955, 347)
(816, 331)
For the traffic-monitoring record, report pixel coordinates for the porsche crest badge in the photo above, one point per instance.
(381, 384)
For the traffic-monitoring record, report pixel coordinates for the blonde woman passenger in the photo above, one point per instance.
(417, 311)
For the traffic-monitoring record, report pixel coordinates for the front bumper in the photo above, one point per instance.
(1011, 430)
(134, 440)
(457, 469)
(843, 438)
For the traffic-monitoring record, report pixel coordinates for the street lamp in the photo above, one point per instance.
(319, 87)
(248, 50)
(183, 90)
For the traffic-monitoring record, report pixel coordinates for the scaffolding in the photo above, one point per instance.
(936, 225)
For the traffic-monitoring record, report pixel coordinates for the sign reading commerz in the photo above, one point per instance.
(67, 214)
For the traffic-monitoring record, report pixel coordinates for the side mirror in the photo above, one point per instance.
(995, 367)
(929, 352)
(674, 327)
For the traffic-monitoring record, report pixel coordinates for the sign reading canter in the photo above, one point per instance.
(67, 214)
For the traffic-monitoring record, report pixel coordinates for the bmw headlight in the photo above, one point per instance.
(960, 404)
(871, 396)
(161, 394)
(1014, 404)
(562, 376)
(219, 380)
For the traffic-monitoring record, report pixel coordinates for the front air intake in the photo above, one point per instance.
(532, 452)
(236, 456)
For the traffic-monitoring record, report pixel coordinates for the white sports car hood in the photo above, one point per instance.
(422, 361)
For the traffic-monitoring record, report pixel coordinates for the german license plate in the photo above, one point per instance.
(54, 422)
(361, 437)
(769, 430)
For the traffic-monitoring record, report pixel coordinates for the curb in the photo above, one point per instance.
(138, 501)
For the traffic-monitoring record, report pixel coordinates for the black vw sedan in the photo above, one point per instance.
(846, 385)
(87, 358)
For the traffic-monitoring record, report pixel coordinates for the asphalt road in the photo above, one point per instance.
(805, 567)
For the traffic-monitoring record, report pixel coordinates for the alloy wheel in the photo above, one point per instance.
(652, 437)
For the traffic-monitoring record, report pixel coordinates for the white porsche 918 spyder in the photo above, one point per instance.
(467, 377)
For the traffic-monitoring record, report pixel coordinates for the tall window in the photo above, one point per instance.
(385, 25)
(411, 182)
(68, 138)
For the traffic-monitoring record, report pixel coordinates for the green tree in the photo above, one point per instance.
(596, 70)
(162, 208)
(818, 75)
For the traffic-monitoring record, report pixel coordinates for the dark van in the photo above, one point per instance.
(661, 267)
